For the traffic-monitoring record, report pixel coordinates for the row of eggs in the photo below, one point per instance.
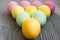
(31, 17)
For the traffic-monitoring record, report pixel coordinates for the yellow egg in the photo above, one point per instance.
(31, 9)
(31, 28)
(45, 9)
(16, 10)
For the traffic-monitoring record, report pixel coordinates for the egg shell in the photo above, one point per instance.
(36, 3)
(11, 5)
(16, 10)
(25, 4)
(31, 28)
(31, 10)
(51, 5)
(45, 9)
(21, 17)
(40, 16)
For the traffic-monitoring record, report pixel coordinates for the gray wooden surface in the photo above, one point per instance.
(9, 30)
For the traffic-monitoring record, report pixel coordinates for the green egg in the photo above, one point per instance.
(21, 17)
(40, 16)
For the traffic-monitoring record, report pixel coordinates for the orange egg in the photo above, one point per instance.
(31, 28)
(16, 10)
(45, 9)
(30, 10)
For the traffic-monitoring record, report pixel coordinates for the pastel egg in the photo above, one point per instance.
(40, 16)
(36, 3)
(45, 9)
(21, 18)
(11, 5)
(31, 28)
(31, 9)
(24, 4)
(51, 5)
(16, 10)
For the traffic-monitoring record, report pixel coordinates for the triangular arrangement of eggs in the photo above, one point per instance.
(31, 16)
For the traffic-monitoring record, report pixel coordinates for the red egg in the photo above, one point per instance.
(51, 5)
(25, 4)
(11, 5)
(37, 3)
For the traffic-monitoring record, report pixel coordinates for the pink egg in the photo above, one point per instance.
(24, 4)
(11, 5)
(37, 3)
(51, 5)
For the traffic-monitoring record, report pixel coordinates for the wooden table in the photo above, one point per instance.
(9, 30)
